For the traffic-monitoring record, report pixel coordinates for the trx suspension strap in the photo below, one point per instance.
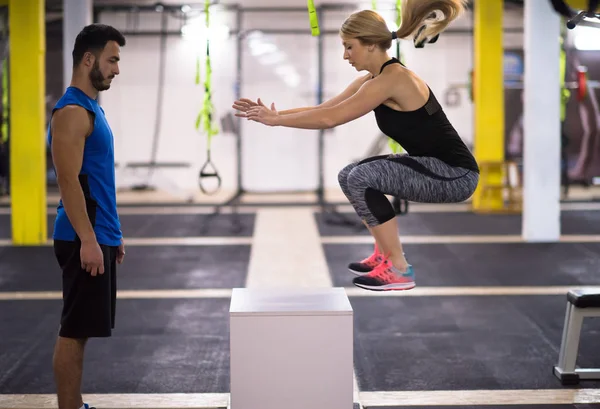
(4, 131)
(205, 117)
(565, 93)
(395, 146)
(314, 19)
(4, 127)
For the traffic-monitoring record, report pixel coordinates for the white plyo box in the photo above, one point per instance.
(291, 349)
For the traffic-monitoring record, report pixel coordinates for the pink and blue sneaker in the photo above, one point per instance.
(386, 277)
(366, 265)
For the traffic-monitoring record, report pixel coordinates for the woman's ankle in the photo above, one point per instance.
(399, 262)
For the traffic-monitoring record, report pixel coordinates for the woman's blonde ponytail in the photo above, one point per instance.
(425, 19)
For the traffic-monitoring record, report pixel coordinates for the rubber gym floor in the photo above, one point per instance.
(481, 330)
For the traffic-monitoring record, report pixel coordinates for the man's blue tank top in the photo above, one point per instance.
(97, 176)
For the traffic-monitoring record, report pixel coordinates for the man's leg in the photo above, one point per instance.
(68, 371)
(87, 312)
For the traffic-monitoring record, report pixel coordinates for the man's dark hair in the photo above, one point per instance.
(93, 38)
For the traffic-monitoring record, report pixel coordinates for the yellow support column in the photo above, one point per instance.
(27, 121)
(579, 5)
(489, 103)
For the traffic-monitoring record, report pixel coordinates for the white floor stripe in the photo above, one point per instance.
(481, 397)
(350, 291)
(170, 241)
(187, 241)
(299, 252)
(125, 294)
(286, 251)
(175, 210)
(345, 208)
(122, 401)
(469, 291)
(164, 210)
(462, 239)
(368, 399)
(580, 206)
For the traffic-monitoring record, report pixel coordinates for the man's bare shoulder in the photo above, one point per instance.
(70, 113)
(71, 121)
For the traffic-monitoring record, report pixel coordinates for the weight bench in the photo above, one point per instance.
(580, 304)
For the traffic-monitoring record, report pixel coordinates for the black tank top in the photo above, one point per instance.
(425, 131)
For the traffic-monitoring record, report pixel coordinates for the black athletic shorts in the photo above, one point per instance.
(88, 301)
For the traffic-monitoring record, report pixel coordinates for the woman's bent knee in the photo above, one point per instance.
(343, 174)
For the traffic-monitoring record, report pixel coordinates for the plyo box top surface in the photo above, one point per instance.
(289, 301)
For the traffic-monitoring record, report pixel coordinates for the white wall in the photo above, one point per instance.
(274, 159)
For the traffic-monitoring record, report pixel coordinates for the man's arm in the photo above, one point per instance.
(70, 127)
(344, 95)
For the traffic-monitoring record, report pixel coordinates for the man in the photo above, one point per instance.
(87, 234)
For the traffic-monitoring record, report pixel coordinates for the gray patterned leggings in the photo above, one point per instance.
(417, 179)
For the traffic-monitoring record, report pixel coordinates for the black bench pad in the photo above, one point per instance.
(585, 298)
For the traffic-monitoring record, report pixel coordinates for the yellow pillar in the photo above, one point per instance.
(489, 101)
(27, 121)
(580, 5)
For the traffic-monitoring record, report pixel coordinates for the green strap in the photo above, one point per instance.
(5, 118)
(205, 117)
(4, 130)
(395, 146)
(314, 18)
(565, 94)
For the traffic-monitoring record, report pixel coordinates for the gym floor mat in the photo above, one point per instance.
(158, 346)
(144, 267)
(401, 344)
(464, 223)
(481, 264)
(463, 343)
(188, 225)
(167, 225)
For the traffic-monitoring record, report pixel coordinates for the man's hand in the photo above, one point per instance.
(92, 259)
(121, 253)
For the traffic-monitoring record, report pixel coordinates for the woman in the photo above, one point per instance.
(438, 167)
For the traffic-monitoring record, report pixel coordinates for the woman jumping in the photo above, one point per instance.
(438, 166)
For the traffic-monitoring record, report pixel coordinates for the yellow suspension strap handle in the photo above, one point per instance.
(314, 19)
(205, 117)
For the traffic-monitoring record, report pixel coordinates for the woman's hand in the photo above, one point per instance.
(263, 115)
(244, 105)
(256, 111)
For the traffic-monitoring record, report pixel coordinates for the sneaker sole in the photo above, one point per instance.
(388, 287)
(358, 273)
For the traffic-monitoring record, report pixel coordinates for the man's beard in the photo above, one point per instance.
(97, 79)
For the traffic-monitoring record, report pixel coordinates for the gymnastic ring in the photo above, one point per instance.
(204, 174)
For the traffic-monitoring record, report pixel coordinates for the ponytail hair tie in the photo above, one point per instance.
(394, 35)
